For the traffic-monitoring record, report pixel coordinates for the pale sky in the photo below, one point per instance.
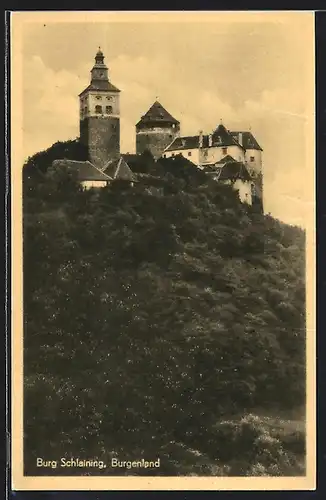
(250, 70)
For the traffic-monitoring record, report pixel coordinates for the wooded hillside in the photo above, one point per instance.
(158, 323)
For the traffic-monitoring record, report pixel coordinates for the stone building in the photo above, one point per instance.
(210, 149)
(156, 130)
(100, 115)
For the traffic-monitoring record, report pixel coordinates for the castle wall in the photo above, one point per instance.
(214, 154)
(155, 139)
(254, 160)
(102, 137)
(244, 191)
(190, 154)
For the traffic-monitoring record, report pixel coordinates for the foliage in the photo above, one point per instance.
(152, 314)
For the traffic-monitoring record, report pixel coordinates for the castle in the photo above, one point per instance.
(233, 157)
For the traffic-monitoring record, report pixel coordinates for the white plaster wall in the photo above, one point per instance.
(256, 165)
(244, 191)
(93, 184)
(194, 157)
(106, 99)
(214, 154)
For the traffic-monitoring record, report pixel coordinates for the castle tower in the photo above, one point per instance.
(253, 159)
(156, 130)
(100, 115)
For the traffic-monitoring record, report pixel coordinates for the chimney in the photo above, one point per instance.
(200, 139)
(210, 140)
(240, 139)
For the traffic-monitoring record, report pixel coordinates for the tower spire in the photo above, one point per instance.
(99, 57)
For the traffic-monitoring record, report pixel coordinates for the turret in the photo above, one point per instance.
(156, 130)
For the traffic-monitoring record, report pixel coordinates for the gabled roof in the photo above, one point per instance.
(186, 142)
(119, 169)
(157, 113)
(85, 170)
(226, 159)
(248, 140)
(143, 162)
(229, 170)
(222, 137)
(100, 85)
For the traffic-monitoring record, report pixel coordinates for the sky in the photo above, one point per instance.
(250, 70)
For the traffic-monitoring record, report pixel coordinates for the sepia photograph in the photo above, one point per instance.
(162, 177)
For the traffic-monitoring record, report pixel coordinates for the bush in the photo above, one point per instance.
(148, 315)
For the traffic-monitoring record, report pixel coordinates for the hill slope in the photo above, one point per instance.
(157, 322)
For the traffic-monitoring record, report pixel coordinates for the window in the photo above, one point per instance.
(172, 154)
(224, 151)
(252, 158)
(85, 109)
(109, 109)
(98, 109)
(109, 98)
(98, 97)
(189, 153)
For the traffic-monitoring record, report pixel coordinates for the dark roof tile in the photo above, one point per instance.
(119, 169)
(220, 138)
(85, 170)
(100, 86)
(229, 170)
(248, 140)
(157, 113)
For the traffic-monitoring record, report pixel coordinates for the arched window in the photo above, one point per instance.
(109, 109)
(98, 109)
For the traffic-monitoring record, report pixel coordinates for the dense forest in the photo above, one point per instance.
(161, 320)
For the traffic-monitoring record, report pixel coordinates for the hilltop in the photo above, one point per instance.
(164, 320)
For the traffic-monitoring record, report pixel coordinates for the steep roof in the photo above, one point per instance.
(138, 163)
(229, 170)
(222, 137)
(226, 159)
(248, 140)
(186, 142)
(100, 85)
(85, 170)
(157, 113)
(119, 169)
